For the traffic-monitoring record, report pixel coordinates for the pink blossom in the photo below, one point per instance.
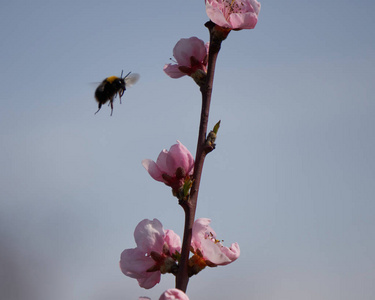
(153, 254)
(205, 244)
(191, 56)
(174, 294)
(172, 167)
(233, 14)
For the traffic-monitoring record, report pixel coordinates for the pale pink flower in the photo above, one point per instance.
(152, 241)
(191, 56)
(174, 294)
(233, 14)
(204, 243)
(172, 167)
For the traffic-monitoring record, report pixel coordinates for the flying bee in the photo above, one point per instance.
(112, 86)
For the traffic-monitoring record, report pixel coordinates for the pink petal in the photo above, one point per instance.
(201, 228)
(163, 163)
(213, 253)
(255, 5)
(218, 254)
(149, 281)
(173, 241)
(149, 236)
(134, 263)
(152, 168)
(185, 48)
(181, 52)
(199, 50)
(243, 21)
(173, 71)
(180, 157)
(233, 252)
(216, 15)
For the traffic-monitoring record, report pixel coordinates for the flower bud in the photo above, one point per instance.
(191, 57)
(172, 167)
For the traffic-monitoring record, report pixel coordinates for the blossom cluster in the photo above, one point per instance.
(158, 251)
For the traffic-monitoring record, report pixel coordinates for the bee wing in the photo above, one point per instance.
(95, 84)
(131, 79)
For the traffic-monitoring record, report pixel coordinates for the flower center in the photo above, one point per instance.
(234, 6)
(210, 236)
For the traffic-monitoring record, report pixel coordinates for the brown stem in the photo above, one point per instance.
(182, 278)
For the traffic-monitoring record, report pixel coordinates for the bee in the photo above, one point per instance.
(112, 86)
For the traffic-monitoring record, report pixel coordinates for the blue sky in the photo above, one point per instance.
(291, 179)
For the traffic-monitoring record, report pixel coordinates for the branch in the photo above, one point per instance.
(217, 35)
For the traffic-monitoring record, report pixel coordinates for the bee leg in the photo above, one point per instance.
(100, 106)
(121, 93)
(111, 108)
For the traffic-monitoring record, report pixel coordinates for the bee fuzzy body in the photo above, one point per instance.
(112, 86)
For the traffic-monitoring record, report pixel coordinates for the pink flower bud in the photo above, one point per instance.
(191, 56)
(233, 14)
(174, 294)
(172, 167)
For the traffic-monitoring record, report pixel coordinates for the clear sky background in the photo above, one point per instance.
(292, 179)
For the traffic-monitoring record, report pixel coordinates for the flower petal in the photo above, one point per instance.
(216, 15)
(185, 48)
(218, 254)
(199, 50)
(134, 263)
(201, 228)
(163, 164)
(243, 21)
(256, 6)
(149, 236)
(213, 253)
(180, 156)
(233, 252)
(173, 241)
(148, 282)
(173, 71)
(153, 169)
